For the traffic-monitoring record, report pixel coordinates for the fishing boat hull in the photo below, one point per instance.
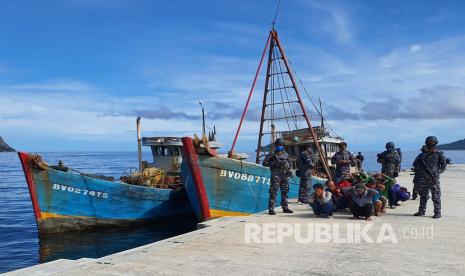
(218, 186)
(64, 201)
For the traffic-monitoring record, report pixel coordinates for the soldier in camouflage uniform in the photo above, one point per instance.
(305, 173)
(342, 159)
(280, 166)
(390, 160)
(416, 186)
(428, 166)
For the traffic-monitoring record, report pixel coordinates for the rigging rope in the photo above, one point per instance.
(320, 112)
(279, 86)
(285, 85)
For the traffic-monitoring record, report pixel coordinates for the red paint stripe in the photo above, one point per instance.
(192, 159)
(30, 183)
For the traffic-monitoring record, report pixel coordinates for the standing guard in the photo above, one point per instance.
(280, 166)
(389, 160)
(428, 166)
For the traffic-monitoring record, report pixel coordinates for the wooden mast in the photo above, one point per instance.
(265, 94)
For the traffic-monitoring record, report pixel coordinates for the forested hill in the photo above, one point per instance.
(4, 146)
(457, 145)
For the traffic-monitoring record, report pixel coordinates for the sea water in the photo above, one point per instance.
(20, 245)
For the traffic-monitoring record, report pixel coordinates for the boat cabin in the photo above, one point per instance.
(298, 140)
(167, 152)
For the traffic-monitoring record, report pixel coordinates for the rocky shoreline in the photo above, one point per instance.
(4, 147)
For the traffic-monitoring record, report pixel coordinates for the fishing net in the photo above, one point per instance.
(153, 177)
(36, 161)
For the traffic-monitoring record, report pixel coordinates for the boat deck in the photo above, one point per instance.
(220, 248)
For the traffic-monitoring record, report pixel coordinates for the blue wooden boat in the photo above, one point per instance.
(71, 201)
(220, 186)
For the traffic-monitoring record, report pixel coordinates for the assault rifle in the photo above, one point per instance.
(428, 170)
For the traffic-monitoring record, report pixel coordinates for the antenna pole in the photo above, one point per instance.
(203, 120)
(274, 35)
(275, 15)
(139, 145)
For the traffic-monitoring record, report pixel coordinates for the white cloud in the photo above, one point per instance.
(415, 48)
(49, 111)
(337, 23)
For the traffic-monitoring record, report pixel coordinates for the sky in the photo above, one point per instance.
(74, 75)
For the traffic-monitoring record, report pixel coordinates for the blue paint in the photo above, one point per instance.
(234, 185)
(190, 188)
(74, 195)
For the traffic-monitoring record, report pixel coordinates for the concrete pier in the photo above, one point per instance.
(424, 245)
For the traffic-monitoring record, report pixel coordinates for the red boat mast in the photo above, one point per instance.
(275, 82)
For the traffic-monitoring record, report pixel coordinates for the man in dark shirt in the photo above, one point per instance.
(343, 159)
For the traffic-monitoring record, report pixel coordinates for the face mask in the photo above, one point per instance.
(279, 148)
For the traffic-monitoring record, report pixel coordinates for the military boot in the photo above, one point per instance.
(271, 212)
(418, 214)
(437, 215)
(287, 210)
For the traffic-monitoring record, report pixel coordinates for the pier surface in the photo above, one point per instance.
(424, 245)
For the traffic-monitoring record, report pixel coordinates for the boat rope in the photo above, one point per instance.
(320, 112)
(275, 56)
(285, 85)
(250, 187)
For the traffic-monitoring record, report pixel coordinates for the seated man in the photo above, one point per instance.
(362, 200)
(362, 177)
(321, 202)
(378, 200)
(388, 193)
(340, 201)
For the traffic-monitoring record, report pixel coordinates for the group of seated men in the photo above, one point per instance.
(363, 194)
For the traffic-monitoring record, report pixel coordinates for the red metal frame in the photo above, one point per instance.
(231, 152)
(268, 68)
(30, 183)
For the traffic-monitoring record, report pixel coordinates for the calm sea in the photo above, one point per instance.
(19, 243)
